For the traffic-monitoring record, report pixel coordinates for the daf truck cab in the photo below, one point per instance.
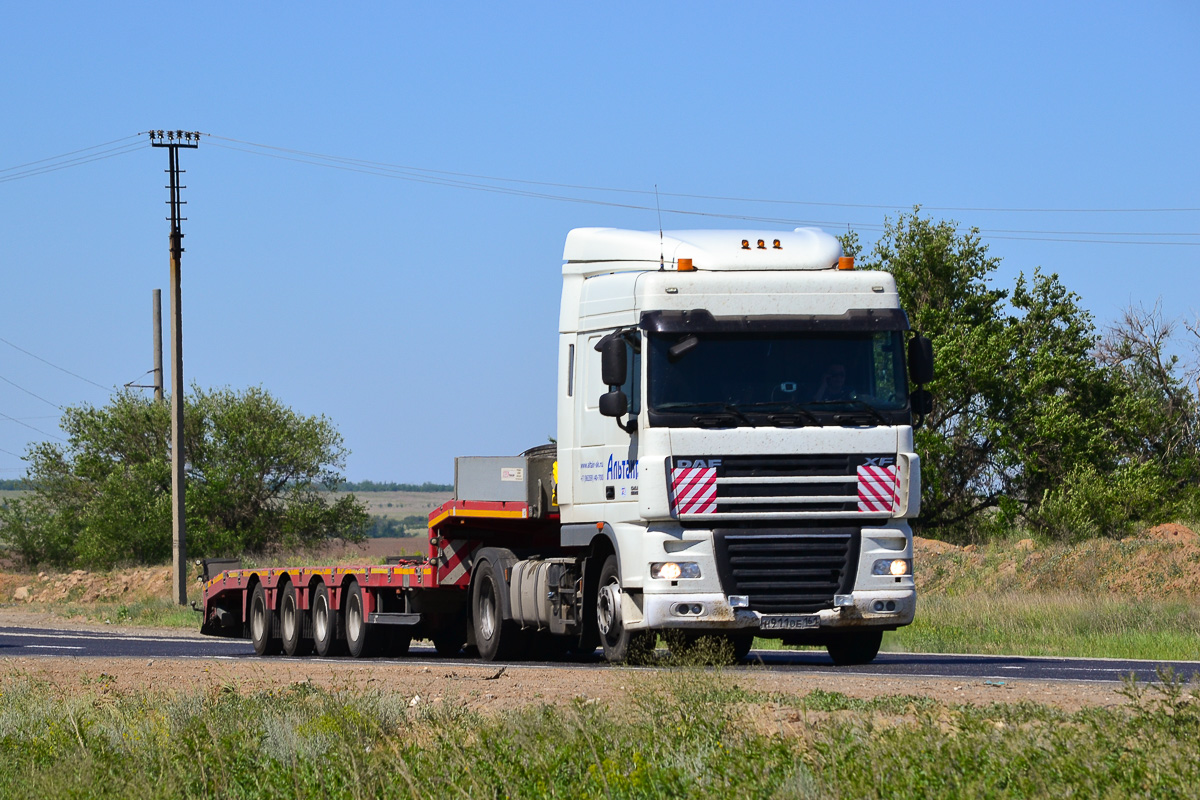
(735, 437)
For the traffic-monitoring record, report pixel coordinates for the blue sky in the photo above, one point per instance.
(421, 317)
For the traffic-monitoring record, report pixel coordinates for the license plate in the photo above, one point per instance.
(789, 622)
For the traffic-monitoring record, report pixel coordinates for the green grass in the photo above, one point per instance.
(683, 734)
(154, 613)
(1055, 624)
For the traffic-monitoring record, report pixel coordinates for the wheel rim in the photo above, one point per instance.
(320, 617)
(354, 618)
(608, 609)
(487, 610)
(287, 617)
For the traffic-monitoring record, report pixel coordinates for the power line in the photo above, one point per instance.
(75, 162)
(64, 155)
(27, 425)
(56, 366)
(724, 198)
(437, 177)
(31, 394)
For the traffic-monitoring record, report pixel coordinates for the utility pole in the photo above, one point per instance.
(173, 140)
(158, 370)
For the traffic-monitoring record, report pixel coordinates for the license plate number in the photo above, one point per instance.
(789, 622)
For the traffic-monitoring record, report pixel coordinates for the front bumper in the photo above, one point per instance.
(867, 609)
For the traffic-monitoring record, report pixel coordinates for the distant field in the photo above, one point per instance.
(398, 505)
(11, 494)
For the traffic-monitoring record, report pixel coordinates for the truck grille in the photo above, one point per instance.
(787, 571)
(783, 486)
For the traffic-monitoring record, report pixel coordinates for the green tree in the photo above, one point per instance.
(258, 475)
(1020, 401)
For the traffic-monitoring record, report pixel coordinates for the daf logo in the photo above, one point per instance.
(699, 463)
(882, 461)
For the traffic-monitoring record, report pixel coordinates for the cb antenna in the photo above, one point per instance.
(661, 260)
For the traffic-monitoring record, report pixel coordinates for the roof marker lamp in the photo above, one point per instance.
(684, 265)
(745, 244)
(845, 262)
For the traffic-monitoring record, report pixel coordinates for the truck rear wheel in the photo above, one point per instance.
(325, 627)
(262, 624)
(619, 643)
(291, 624)
(850, 649)
(495, 637)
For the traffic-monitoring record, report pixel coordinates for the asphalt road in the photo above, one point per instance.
(33, 642)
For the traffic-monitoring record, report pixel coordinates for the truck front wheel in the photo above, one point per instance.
(850, 649)
(619, 643)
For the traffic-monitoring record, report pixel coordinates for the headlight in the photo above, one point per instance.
(892, 566)
(673, 570)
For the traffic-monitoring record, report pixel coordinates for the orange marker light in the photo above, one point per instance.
(745, 244)
(777, 245)
(684, 265)
(845, 262)
(762, 245)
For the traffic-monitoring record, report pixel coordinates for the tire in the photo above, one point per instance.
(326, 632)
(262, 624)
(852, 649)
(291, 624)
(354, 622)
(495, 637)
(741, 642)
(619, 644)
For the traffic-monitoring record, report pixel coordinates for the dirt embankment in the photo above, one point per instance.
(1163, 561)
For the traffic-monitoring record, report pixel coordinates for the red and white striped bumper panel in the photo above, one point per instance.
(877, 489)
(694, 490)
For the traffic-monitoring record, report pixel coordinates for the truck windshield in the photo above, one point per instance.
(777, 378)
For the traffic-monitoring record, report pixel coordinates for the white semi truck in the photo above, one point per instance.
(734, 457)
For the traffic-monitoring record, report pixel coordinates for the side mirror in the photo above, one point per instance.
(920, 400)
(614, 366)
(920, 360)
(614, 404)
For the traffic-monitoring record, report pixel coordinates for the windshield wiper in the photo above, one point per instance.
(787, 407)
(871, 410)
(719, 409)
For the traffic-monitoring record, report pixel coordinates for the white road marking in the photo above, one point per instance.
(100, 637)
(54, 646)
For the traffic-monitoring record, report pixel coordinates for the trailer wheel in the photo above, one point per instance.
(325, 627)
(619, 643)
(495, 636)
(358, 632)
(262, 627)
(291, 624)
(850, 649)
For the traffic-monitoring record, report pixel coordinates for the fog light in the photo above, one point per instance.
(697, 608)
(843, 601)
(739, 601)
(671, 571)
(892, 566)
